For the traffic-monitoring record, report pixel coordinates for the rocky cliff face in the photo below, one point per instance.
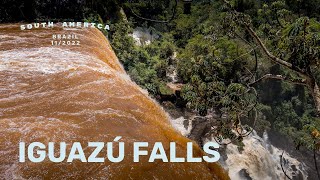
(80, 94)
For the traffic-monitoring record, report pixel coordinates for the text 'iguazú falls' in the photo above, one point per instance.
(38, 152)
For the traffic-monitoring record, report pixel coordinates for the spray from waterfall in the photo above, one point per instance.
(258, 160)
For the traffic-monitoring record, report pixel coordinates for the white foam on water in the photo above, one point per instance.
(49, 60)
(261, 160)
(178, 124)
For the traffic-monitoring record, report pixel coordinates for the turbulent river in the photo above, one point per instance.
(79, 94)
(258, 160)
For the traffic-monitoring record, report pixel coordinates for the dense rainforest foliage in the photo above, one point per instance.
(225, 52)
(255, 63)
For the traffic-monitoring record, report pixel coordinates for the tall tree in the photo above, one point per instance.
(297, 45)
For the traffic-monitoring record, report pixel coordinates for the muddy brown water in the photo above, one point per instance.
(80, 94)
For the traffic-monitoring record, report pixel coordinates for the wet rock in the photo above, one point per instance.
(200, 127)
(244, 174)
